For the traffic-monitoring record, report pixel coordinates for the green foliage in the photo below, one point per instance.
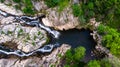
(17, 1)
(2, 32)
(69, 56)
(52, 65)
(99, 63)
(39, 33)
(73, 57)
(93, 63)
(62, 4)
(67, 66)
(52, 3)
(35, 37)
(59, 55)
(2, 1)
(33, 43)
(111, 39)
(28, 9)
(25, 5)
(79, 53)
(106, 11)
(101, 29)
(28, 37)
(9, 32)
(77, 11)
(105, 63)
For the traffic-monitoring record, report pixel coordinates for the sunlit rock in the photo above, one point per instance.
(45, 61)
(10, 9)
(26, 41)
(61, 20)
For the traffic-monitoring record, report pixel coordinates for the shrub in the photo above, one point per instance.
(93, 63)
(17, 1)
(106, 11)
(73, 57)
(101, 29)
(111, 39)
(28, 11)
(99, 63)
(105, 63)
(79, 53)
(2, 1)
(62, 4)
(52, 3)
(77, 11)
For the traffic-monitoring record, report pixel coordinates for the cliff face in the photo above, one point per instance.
(57, 19)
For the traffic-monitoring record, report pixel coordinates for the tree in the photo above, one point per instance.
(79, 53)
(111, 39)
(73, 57)
(93, 63)
(105, 63)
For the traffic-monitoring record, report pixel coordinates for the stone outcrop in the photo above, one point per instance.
(55, 18)
(39, 5)
(30, 38)
(62, 20)
(45, 61)
(10, 9)
(27, 38)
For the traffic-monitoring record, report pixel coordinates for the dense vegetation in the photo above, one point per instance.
(111, 39)
(73, 58)
(106, 11)
(60, 3)
(99, 63)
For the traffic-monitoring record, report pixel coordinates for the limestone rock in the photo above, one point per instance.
(45, 61)
(27, 38)
(10, 9)
(60, 20)
(39, 5)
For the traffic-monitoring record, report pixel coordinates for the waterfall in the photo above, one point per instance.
(3, 13)
(31, 21)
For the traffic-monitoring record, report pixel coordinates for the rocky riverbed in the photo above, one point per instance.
(26, 39)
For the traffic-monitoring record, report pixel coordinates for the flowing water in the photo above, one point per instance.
(73, 37)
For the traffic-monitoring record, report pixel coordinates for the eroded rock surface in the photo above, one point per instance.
(27, 38)
(45, 61)
(31, 38)
(62, 20)
(10, 9)
(55, 18)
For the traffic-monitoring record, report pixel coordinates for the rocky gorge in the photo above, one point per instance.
(27, 38)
